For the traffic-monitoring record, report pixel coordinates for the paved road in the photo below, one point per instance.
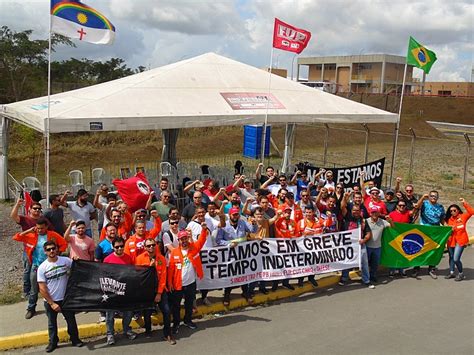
(403, 316)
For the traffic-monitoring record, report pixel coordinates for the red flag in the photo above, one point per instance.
(28, 202)
(134, 191)
(289, 38)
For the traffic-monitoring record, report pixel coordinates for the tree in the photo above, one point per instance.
(22, 64)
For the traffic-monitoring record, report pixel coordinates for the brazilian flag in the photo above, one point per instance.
(420, 56)
(408, 245)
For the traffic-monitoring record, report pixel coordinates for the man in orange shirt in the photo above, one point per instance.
(122, 222)
(184, 267)
(285, 227)
(134, 245)
(153, 257)
(33, 240)
(309, 226)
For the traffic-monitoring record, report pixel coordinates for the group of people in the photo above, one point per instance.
(267, 205)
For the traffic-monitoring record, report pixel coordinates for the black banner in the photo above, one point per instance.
(101, 287)
(349, 176)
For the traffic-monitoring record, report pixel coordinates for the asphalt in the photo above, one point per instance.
(400, 316)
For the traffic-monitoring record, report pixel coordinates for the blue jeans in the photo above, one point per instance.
(26, 274)
(126, 320)
(455, 257)
(70, 318)
(364, 267)
(373, 256)
(165, 310)
(33, 296)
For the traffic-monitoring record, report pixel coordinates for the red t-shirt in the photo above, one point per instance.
(396, 216)
(114, 259)
(368, 203)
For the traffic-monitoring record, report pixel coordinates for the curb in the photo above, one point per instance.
(94, 329)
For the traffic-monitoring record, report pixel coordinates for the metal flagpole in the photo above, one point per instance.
(264, 133)
(46, 123)
(397, 129)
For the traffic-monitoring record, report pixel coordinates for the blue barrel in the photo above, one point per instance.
(253, 141)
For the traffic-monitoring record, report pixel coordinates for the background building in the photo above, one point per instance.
(373, 73)
(445, 88)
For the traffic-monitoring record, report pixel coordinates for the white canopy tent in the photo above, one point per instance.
(204, 91)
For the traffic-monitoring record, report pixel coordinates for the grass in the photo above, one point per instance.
(11, 293)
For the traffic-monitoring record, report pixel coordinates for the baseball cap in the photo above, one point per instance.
(284, 207)
(234, 210)
(390, 191)
(374, 209)
(182, 234)
(246, 180)
(374, 189)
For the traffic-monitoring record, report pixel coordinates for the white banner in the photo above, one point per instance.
(274, 259)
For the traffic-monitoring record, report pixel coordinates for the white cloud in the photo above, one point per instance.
(157, 32)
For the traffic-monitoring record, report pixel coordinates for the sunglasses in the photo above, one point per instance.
(164, 196)
(453, 210)
(282, 180)
(119, 247)
(304, 195)
(50, 249)
(36, 209)
(433, 196)
(150, 246)
(409, 190)
(338, 187)
(402, 205)
(174, 223)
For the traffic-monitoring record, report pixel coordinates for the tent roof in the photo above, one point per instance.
(189, 94)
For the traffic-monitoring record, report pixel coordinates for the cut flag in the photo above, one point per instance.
(420, 56)
(134, 191)
(289, 38)
(73, 19)
(408, 245)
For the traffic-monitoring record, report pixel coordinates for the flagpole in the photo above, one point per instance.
(397, 129)
(47, 121)
(264, 133)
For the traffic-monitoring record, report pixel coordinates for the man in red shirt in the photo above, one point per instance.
(119, 257)
(372, 199)
(401, 214)
(184, 267)
(153, 257)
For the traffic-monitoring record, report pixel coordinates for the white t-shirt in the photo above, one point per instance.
(55, 275)
(167, 241)
(188, 273)
(83, 213)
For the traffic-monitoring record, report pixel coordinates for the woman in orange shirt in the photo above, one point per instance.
(459, 238)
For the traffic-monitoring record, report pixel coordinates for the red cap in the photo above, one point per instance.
(234, 210)
(285, 207)
(374, 209)
(182, 234)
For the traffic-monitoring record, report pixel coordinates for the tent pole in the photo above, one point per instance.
(4, 130)
(397, 128)
(265, 123)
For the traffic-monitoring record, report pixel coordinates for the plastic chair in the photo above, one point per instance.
(98, 176)
(77, 183)
(165, 169)
(31, 183)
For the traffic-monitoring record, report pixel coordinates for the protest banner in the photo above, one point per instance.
(100, 287)
(274, 259)
(349, 176)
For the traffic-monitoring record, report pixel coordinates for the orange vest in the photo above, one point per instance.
(458, 223)
(134, 245)
(176, 258)
(317, 225)
(31, 239)
(160, 265)
(286, 229)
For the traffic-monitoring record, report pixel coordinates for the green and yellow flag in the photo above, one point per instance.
(420, 56)
(408, 245)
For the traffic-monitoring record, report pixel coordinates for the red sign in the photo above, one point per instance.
(289, 38)
(251, 100)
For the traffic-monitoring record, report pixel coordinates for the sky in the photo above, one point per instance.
(153, 33)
